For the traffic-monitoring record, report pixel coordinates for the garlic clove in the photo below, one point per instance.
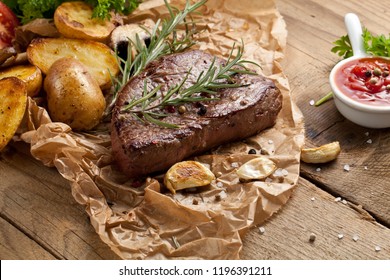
(187, 174)
(257, 168)
(322, 154)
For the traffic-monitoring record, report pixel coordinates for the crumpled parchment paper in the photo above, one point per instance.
(142, 220)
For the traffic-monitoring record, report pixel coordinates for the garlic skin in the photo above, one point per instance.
(187, 174)
(257, 168)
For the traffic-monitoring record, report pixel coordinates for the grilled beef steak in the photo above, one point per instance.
(141, 148)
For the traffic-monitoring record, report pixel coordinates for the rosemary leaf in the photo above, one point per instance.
(150, 119)
(144, 98)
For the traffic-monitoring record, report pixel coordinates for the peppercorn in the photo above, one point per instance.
(377, 72)
(182, 109)
(202, 110)
(374, 80)
(368, 73)
(243, 102)
(252, 152)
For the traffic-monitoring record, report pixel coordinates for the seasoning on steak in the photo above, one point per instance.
(141, 148)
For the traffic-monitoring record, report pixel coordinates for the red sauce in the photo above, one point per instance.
(366, 80)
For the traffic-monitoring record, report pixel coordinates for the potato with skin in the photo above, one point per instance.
(30, 74)
(97, 57)
(74, 20)
(13, 96)
(73, 95)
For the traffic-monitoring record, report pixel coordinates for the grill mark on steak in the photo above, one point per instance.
(141, 148)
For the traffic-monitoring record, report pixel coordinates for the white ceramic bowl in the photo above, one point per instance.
(371, 116)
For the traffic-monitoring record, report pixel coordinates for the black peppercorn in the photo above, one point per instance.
(252, 152)
(368, 73)
(202, 110)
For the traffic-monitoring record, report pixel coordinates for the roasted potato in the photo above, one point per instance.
(73, 95)
(74, 20)
(99, 59)
(30, 74)
(13, 95)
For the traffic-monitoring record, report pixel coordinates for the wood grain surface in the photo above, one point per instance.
(347, 211)
(313, 26)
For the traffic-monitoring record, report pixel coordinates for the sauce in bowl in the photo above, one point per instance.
(365, 80)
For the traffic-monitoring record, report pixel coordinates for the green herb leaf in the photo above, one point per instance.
(28, 10)
(102, 8)
(374, 45)
(343, 47)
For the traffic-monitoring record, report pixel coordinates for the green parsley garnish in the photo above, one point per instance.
(374, 45)
(27, 10)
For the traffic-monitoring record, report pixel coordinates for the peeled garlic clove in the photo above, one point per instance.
(187, 174)
(257, 168)
(322, 154)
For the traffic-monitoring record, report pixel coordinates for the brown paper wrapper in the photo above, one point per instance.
(147, 222)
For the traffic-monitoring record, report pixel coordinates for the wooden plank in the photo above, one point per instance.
(15, 245)
(311, 210)
(39, 202)
(312, 26)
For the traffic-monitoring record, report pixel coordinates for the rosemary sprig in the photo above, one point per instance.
(165, 38)
(150, 106)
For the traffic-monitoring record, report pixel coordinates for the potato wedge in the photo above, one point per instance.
(74, 20)
(73, 95)
(13, 95)
(30, 74)
(99, 59)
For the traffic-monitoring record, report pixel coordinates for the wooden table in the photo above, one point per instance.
(347, 211)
